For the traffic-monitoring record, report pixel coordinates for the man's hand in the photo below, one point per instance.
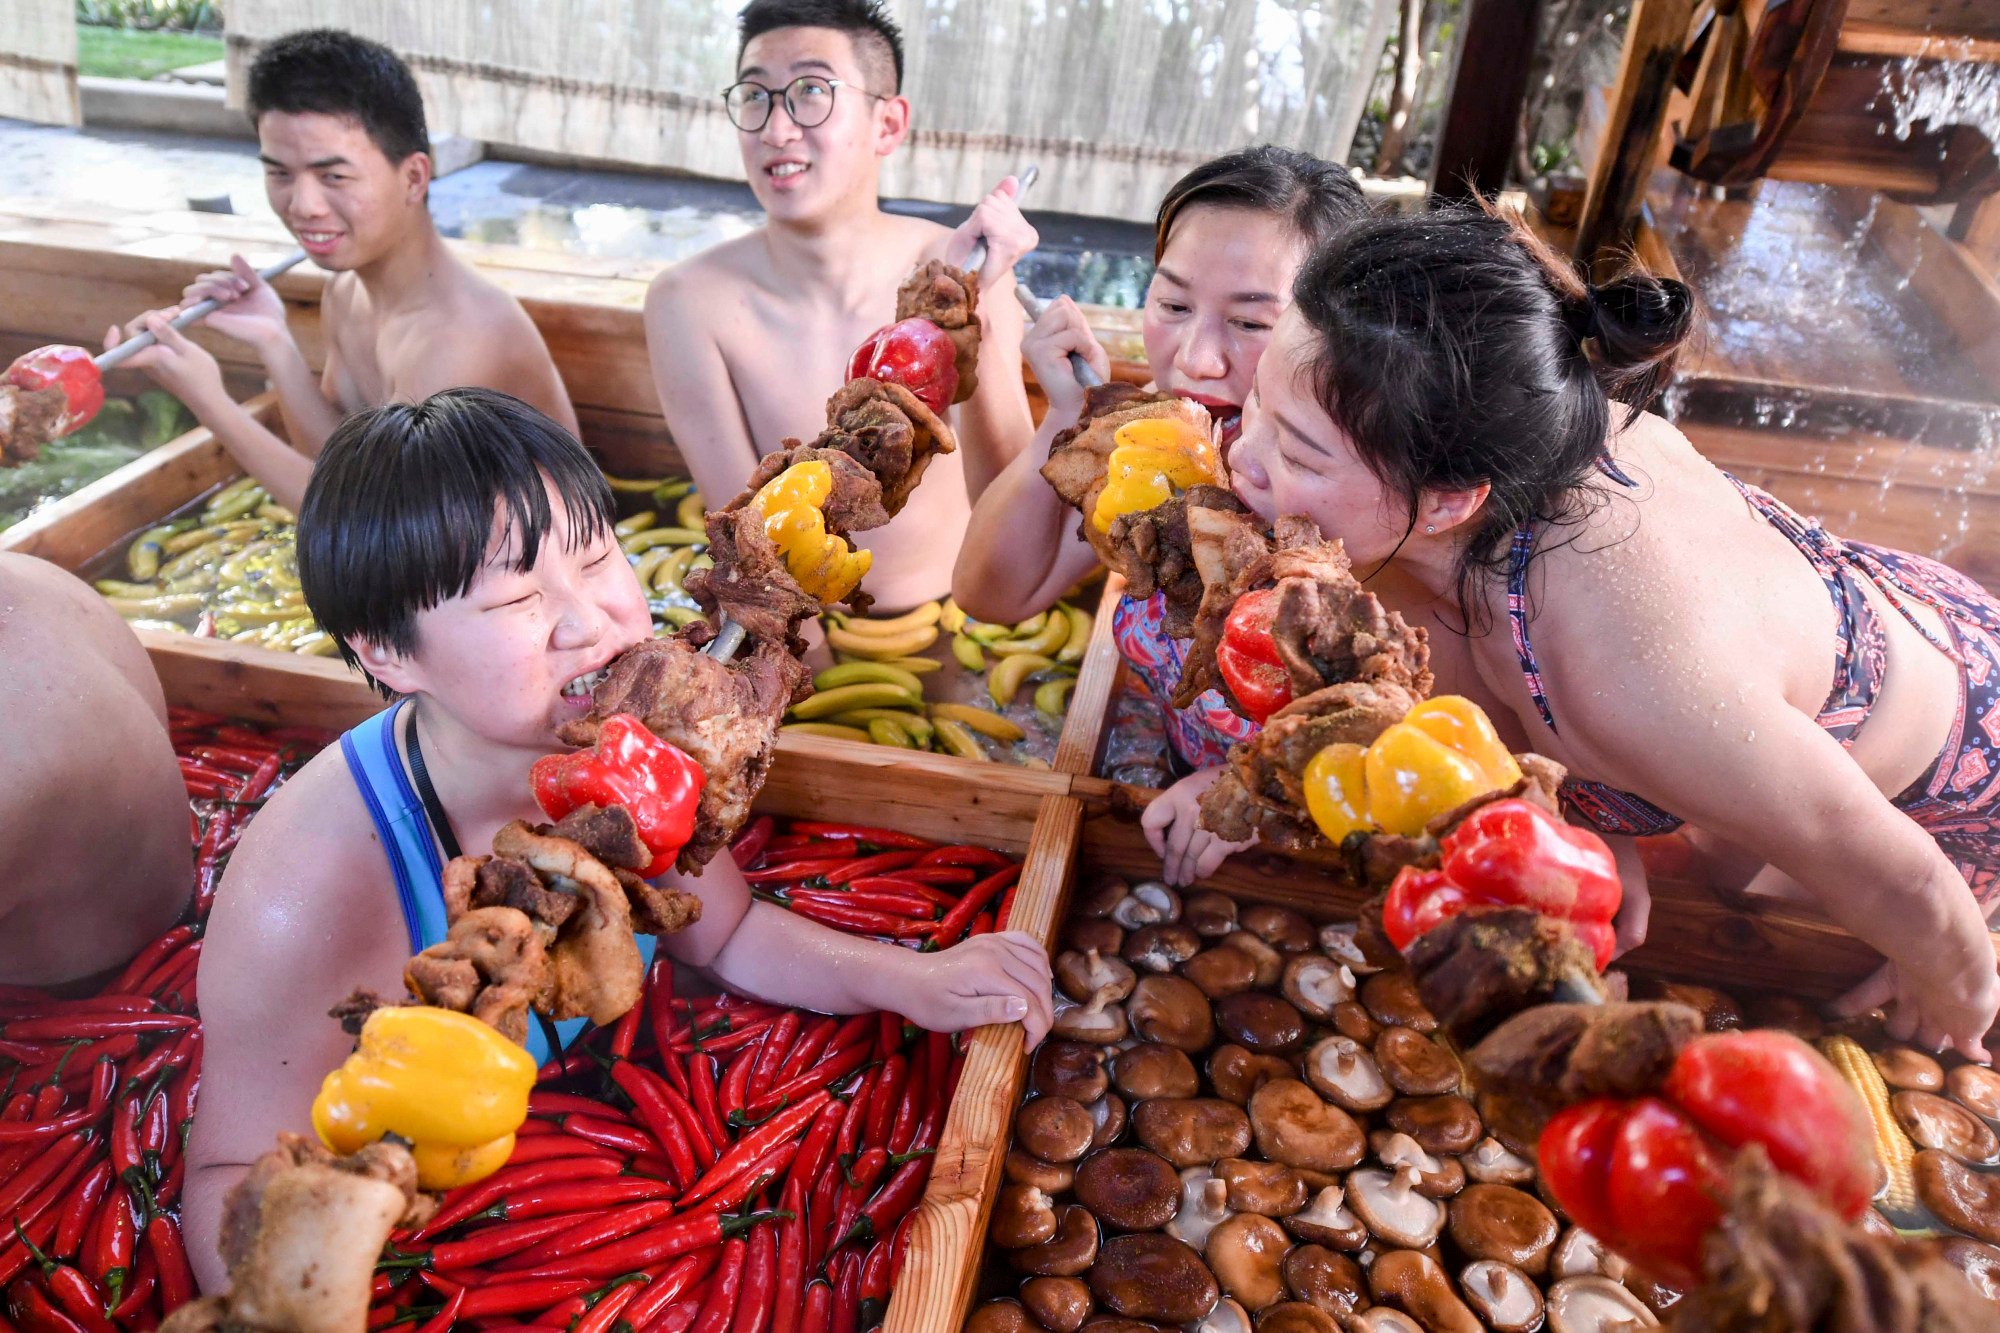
(176, 364)
(1172, 823)
(1001, 978)
(1008, 236)
(1047, 346)
(252, 311)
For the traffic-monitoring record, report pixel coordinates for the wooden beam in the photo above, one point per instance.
(1489, 83)
(1654, 40)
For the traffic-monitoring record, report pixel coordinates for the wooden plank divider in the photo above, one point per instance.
(1090, 701)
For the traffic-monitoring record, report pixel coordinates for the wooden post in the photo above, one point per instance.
(1489, 83)
(1653, 44)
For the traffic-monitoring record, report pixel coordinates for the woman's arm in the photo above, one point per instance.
(1021, 549)
(1754, 770)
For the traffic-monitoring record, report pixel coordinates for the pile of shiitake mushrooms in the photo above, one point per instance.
(1236, 1123)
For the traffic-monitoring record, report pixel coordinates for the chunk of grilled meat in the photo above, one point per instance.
(1156, 549)
(886, 429)
(724, 715)
(949, 298)
(1782, 1261)
(1483, 966)
(29, 419)
(1552, 1056)
(1077, 468)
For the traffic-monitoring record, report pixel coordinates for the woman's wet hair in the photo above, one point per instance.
(399, 514)
(1317, 197)
(1454, 348)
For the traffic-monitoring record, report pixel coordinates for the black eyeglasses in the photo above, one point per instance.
(808, 101)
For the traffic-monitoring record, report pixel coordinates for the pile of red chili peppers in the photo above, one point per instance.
(707, 1165)
(718, 1165)
(97, 1093)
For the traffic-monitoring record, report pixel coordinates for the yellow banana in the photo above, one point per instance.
(678, 616)
(689, 512)
(829, 730)
(669, 491)
(1035, 761)
(951, 617)
(633, 484)
(1081, 625)
(925, 614)
(957, 740)
(981, 632)
(651, 537)
(916, 724)
(877, 648)
(671, 574)
(868, 673)
(1051, 636)
(647, 563)
(1052, 697)
(969, 654)
(916, 666)
(1003, 682)
(981, 720)
(884, 731)
(639, 522)
(840, 700)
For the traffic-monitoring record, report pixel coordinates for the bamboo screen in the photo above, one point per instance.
(38, 61)
(1113, 98)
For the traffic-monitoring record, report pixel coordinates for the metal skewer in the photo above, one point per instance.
(194, 314)
(1035, 305)
(729, 638)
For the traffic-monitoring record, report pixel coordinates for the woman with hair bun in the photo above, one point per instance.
(1455, 404)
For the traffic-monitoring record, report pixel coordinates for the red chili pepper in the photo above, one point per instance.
(1512, 854)
(108, 1259)
(899, 884)
(862, 833)
(556, 1105)
(578, 1196)
(972, 904)
(982, 925)
(472, 1200)
(602, 1228)
(719, 1310)
(1006, 912)
(886, 901)
(734, 1093)
(888, 1090)
(875, 1276)
(735, 1038)
(916, 1088)
(151, 957)
(64, 1028)
(794, 871)
(788, 1280)
(857, 921)
(750, 843)
(70, 1289)
(607, 1310)
(483, 1248)
(933, 876)
(649, 1097)
(163, 1235)
(153, 1129)
(811, 1043)
(744, 1154)
(532, 1147)
(702, 1070)
(886, 1210)
(1248, 660)
(624, 1032)
(975, 857)
(760, 1270)
(498, 1298)
(37, 1315)
(1649, 1176)
(862, 1177)
(865, 866)
(625, 1138)
(668, 1288)
(139, 1289)
(655, 1245)
(847, 1293)
(46, 1166)
(442, 1321)
(771, 1052)
(818, 1314)
(563, 1314)
(817, 1146)
(82, 1206)
(658, 784)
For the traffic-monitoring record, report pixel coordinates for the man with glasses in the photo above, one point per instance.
(748, 340)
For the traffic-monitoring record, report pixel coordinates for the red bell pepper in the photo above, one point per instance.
(70, 369)
(914, 353)
(658, 784)
(1648, 1176)
(1247, 656)
(1512, 854)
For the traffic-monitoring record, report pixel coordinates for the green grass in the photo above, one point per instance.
(122, 53)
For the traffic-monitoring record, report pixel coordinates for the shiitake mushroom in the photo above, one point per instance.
(1108, 1117)
(1294, 1126)
(1070, 1252)
(1055, 1129)
(1325, 1279)
(1235, 1074)
(1391, 999)
(1072, 1069)
(1268, 962)
(1002, 1316)
(1059, 1304)
(1082, 974)
(1212, 914)
(1269, 1189)
(1416, 1284)
(1902, 1067)
(1162, 947)
(1262, 1023)
(1343, 1071)
(1150, 1070)
(1129, 1189)
(1192, 1131)
(1414, 1064)
(1315, 983)
(1440, 1124)
(1173, 1011)
(1244, 1253)
(1504, 1224)
(1282, 928)
(1024, 1168)
(1960, 1197)
(1152, 1276)
(1932, 1121)
(1221, 971)
(1977, 1089)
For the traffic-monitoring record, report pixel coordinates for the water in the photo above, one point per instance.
(123, 429)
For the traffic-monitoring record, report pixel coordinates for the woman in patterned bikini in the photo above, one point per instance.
(1447, 397)
(1229, 239)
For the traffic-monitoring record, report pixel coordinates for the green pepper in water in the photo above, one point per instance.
(162, 417)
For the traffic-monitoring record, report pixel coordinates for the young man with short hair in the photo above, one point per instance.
(748, 340)
(347, 167)
(461, 552)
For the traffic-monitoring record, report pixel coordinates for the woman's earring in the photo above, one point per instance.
(1430, 527)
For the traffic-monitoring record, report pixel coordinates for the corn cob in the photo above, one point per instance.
(1898, 1200)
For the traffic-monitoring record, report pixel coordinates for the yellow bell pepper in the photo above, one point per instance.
(791, 503)
(446, 1083)
(1442, 754)
(1152, 460)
